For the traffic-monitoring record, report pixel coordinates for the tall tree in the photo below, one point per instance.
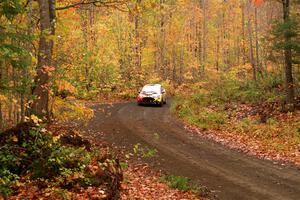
(44, 65)
(242, 5)
(288, 56)
(204, 30)
(286, 30)
(251, 51)
(258, 64)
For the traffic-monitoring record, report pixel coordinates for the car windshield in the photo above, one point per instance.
(151, 88)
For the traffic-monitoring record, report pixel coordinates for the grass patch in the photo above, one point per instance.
(144, 152)
(176, 182)
(182, 183)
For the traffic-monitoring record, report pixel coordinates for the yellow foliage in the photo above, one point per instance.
(188, 76)
(69, 111)
(3, 98)
(35, 119)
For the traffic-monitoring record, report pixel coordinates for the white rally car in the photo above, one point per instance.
(152, 94)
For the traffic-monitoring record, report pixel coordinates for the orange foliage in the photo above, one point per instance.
(258, 2)
(65, 86)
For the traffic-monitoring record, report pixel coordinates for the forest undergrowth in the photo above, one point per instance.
(243, 114)
(44, 162)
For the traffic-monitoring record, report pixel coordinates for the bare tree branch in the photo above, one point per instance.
(98, 3)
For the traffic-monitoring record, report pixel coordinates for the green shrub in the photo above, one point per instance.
(205, 119)
(43, 157)
(39, 154)
(6, 179)
(200, 99)
(194, 112)
(225, 90)
(230, 89)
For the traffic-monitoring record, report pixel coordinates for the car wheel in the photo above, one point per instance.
(161, 104)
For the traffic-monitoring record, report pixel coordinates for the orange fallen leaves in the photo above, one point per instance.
(143, 183)
(262, 140)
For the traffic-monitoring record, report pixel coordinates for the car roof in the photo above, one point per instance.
(154, 85)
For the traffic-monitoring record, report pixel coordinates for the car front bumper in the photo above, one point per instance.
(149, 100)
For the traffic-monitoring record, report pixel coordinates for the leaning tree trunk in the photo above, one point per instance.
(288, 59)
(44, 65)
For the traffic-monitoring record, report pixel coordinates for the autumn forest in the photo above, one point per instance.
(231, 69)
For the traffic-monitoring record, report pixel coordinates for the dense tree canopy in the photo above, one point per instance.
(90, 47)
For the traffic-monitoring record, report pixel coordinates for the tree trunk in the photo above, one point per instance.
(204, 42)
(258, 64)
(174, 63)
(44, 65)
(243, 31)
(218, 44)
(85, 31)
(1, 112)
(288, 59)
(224, 38)
(10, 96)
(252, 61)
(1, 117)
(25, 93)
(138, 51)
(181, 65)
(162, 43)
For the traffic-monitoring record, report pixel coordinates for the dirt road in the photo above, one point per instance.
(229, 174)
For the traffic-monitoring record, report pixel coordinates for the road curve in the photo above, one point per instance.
(229, 174)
